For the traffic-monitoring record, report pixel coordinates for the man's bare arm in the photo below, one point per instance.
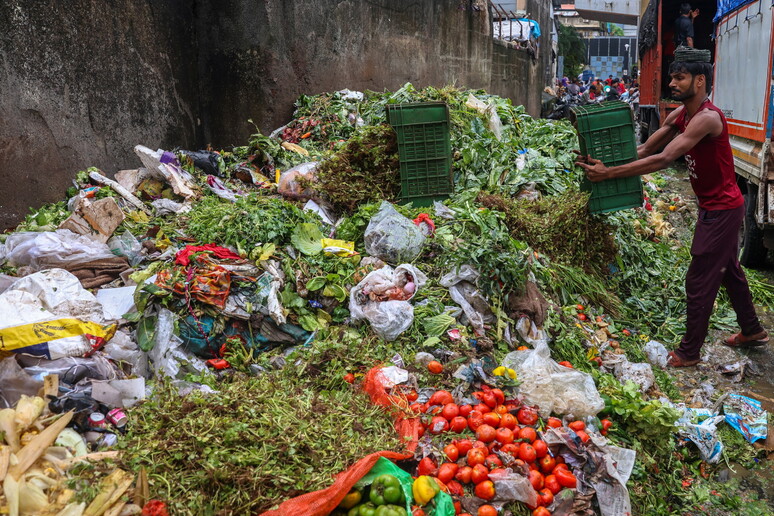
(660, 138)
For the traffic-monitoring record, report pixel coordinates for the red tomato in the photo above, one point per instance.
(545, 497)
(438, 425)
(485, 490)
(458, 424)
(447, 471)
(475, 419)
(501, 409)
(552, 484)
(464, 446)
(452, 452)
(554, 422)
(511, 449)
(427, 466)
(528, 434)
(547, 464)
(349, 378)
(411, 396)
(479, 474)
(417, 511)
(450, 411)
(577, 425)
(527, 416)
(493, 461)
(536, 479)
(541, 511)
(527, 453)
(475, 457)
(435, 367)
(565, 478)
(504, 435)
(464, 474)
(486, 510)
(508, 420)
(485, 433)
(565, 363)
(465, 410)
(579, 308)
(541, 448)
(417, 407)
(483, 409)
(561, 465)
(582, 317)
(440, 398)
(499, 396)
(455, 488)
(420, 431)
(584, 437)
(489, 399)
(433, 410)
(480, 444)
(492, 419)
(606, 424)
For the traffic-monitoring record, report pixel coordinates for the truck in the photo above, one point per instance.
(739, 35)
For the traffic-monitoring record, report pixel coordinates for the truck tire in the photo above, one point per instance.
(752, 253)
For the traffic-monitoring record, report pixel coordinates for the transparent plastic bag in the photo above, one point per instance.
(553, 388)
(657, 354)
(392, 237)
(128, 246)
(462, 289)
(290, 185)
(370, 299)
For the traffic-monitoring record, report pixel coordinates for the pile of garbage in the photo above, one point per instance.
(199, 269)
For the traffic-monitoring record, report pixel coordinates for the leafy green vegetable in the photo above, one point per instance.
(307, 238)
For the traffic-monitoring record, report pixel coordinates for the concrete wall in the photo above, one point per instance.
(83, 81)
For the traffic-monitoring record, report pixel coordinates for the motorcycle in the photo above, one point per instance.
(563, 105)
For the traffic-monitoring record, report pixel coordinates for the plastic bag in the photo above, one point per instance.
(59, 248)
(167, 206)
(490, 110)
(122, 348)
(165, 166)
(640, 373)
(510, 486)
(705, 436)
(746, 416)
(49, 314)
(71, 370)
(657, 354)
(207, 161)
(167, 356)
(217, 187)
(393, 237)
(463, 290)
(290, 186)
(553, 388)
(128, 246)
(382, 298)
(15, 382)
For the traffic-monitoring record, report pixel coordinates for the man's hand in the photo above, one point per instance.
(596, 171)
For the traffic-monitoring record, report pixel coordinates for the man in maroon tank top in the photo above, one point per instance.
(698, 131)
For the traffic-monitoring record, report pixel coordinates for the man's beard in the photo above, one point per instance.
(688, 94)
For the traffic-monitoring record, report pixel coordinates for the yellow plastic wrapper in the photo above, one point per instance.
(340, 248)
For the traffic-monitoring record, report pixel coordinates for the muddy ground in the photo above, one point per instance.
(752, 370)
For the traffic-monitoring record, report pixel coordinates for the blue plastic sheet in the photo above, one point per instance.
(534, 27)
(727, 6)
(746, 415)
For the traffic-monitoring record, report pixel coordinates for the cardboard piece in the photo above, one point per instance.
(95, 219)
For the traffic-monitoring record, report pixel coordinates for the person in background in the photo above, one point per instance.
(609, 80)
(574, 87)
(590, 95)
(684, 26)
(698, 131)
(621, 87)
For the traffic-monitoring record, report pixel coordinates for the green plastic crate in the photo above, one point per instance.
(424, 149)
(606, 132)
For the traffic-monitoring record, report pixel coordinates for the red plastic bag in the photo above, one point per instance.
(322, 502)
(407, 428)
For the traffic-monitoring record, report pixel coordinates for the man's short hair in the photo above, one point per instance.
(685, 8)
(694, 69)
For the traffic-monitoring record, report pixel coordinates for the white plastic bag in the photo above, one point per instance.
(53, 249)
(50, 314)
(553, 388)
(392, 237)
(490, 110)
(168, 357)
(122, 348)
(390, 317)
(657, 354)
(640, 373)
